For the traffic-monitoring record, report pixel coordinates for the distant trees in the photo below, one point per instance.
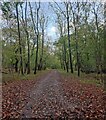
(62, 30)
(98, 39)
(67, 18)
(24, 37)
(85, 29)
(79, 47)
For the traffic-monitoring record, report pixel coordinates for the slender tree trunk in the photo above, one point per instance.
(27, 35)
(63, 57)
(66, 65)
(27, 38)
(42, 44)
(34, 27)
(41, 59)
(43, 23)
(16, 65)
(20, 46)
(76, 37)
(16, 61)
(69, 45)
(78, 63)
(36, 34)
(36, 60)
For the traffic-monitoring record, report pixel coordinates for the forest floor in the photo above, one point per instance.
(53, 95)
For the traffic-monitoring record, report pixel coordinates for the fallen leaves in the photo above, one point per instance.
(53, 97)
(89, 98)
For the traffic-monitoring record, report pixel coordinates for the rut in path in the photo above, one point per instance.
(47, 98)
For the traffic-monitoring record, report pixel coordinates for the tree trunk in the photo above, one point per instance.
(66, 65)
(36, 60)
(42, 44)
(20, 46)
(77, 54)
(76, 37)
(27, 34)
(41, 59)
(27, 37)
(16, 65)
(36, 33)
(69, 45)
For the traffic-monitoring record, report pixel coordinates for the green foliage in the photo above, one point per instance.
(15, 76)
(53, 62)
(90, 41)
(8, 55)
(84, 78)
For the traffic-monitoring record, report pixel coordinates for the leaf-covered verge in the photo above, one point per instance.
(89, 96)
(89, 99)
(14, 93)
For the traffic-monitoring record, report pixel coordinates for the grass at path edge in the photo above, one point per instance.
(84, 78)
(10, 77)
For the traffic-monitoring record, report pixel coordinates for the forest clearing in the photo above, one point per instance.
(53, 60)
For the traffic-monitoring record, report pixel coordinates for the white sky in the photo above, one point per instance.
(51, 28)
(51, 31)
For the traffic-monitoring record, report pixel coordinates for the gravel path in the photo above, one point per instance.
(47, 99)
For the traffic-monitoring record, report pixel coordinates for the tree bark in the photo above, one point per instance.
(27, 37)
(27, 34)
(76, 38)
(36, 34)
(78, 63)
(41, 59)
(36, 59)
(16, 65)
(66, 65)
(69, 45)
(20, 46)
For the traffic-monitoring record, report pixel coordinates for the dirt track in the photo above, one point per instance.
(53, 96)
(47, 99)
